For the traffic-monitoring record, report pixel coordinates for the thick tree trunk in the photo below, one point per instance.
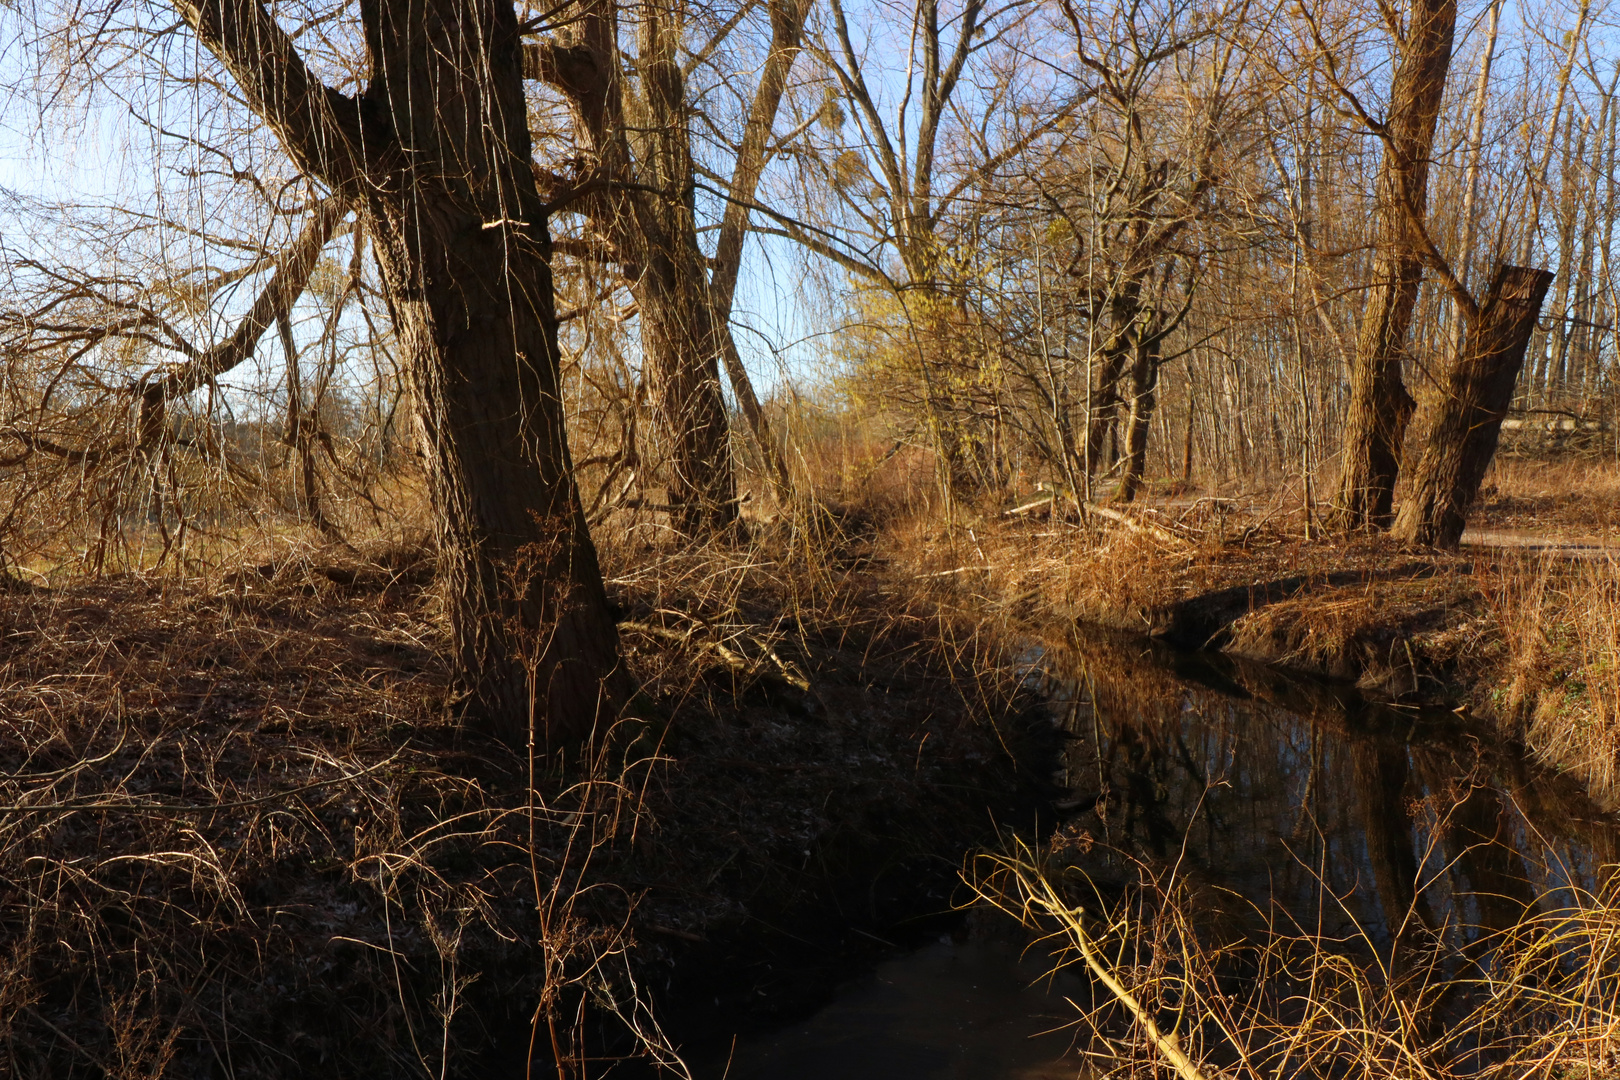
(437, 154)
(680, 351)
(1479, 387)
(1380, 407)
(462, 237)
(679, 344)
(527, 610)
(1144, 396)
(1104, 403)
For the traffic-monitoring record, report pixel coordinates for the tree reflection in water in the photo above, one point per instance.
(1261, 853)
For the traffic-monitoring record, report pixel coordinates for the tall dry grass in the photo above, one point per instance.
(1178, 993)
(1560, 624)
(239, 823)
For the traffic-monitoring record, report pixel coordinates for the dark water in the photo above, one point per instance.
(1273, 798)
(970, 1010)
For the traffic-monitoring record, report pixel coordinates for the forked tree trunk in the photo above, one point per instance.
(436, 153)
(638, 150)
(787, 31)
(1380, 407)
(1478, 390)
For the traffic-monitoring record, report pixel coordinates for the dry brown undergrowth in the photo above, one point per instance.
(240, 836)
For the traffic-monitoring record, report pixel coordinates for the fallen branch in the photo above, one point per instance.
(1039, 897)
(1043, 503)
(1158, 532)
(733, 659)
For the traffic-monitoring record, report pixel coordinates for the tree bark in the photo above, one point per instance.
(640, 155)
(436, 152)
(681, 354)
(678, 338)
(1380, 407)
(1144, 396)
(1478, 390)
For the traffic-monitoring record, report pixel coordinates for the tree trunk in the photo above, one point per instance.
(1144, 396)
(681, 354)
(637, 150)
(787, 31)
(1479, 388)
(436, 152)
(1380, 407)
(678, 340)
(300, 437)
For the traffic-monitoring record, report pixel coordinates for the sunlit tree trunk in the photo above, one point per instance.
(1478, 389)
(1380, 406)
(1144, 396)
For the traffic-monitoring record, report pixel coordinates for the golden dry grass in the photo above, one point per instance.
(1560, 623)
(1180, 994)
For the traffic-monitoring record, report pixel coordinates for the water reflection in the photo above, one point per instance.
(1321, 811)
(1283, 804)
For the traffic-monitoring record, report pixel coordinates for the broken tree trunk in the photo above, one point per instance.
(1478, 389)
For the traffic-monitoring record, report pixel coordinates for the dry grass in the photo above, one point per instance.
(1561, 626)
(239, 833)
(237, 830)
(1567, 496)
(1539, 998)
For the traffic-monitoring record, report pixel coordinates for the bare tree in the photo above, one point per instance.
(435, 155)
(1380, 406)
(636, 176)
(916, 134)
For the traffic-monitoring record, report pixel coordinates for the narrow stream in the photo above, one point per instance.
(1272, 796)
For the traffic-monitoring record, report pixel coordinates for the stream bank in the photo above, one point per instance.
(1520, 637)
(1250, 812)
